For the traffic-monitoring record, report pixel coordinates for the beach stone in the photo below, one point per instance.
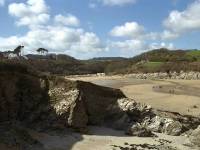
(195, 137)
(173, 128)
(139, 131)
(165, 125)
(133, 108)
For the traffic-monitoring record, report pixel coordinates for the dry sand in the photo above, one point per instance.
(181, 96)
(105, 139)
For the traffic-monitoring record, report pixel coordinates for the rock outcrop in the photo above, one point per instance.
(163, 75)
(80, 104)
(16, 137)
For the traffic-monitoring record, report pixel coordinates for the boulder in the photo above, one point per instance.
(195, 137)
(80, 103)
(165, 125)
(173, 128)
(139, 131)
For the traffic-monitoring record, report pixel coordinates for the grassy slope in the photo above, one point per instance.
(193, 55)
(157, 60)
(162, 60)
(153, 64)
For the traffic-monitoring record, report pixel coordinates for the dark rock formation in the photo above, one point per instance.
(16, 137)
(80, 103)
(20, 95)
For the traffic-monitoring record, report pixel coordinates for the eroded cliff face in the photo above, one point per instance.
(23, 103)
(21, 96)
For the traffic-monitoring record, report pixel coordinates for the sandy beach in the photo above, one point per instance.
(171, 95)
(180, 96)
(100, 138)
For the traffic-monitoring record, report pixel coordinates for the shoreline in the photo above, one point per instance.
(157, 75)
(175, 95)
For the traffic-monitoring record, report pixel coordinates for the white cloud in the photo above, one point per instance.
(8, 43)
(161, 45)
(58, 37)
(137, 39)
(138, 45)
(129, 29)
(69, 20)
(127, 48)
(65, 36)
(127, 45)
(177, 23)
(32, 13)
(168, 35)
(89, 42)
(117, 2)
(130, 48)
(2, 2)
(180, 22)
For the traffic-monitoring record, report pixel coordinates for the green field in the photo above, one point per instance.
(193, 55)
(153, 65)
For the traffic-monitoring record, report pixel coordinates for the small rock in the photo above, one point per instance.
(195, 137)
(137, 130)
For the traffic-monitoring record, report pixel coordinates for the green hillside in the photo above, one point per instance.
(159, 60)
(193, 55)
(165, 55)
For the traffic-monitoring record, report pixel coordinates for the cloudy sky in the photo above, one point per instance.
(94, 28)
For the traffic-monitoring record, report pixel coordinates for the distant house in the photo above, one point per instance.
(8, 55)
(15, 54)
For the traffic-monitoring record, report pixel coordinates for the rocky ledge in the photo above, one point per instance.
(163, 75)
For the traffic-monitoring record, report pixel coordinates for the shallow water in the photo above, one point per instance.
(117, 83)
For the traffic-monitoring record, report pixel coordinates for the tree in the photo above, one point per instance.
(18, 50)
(42, 50)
